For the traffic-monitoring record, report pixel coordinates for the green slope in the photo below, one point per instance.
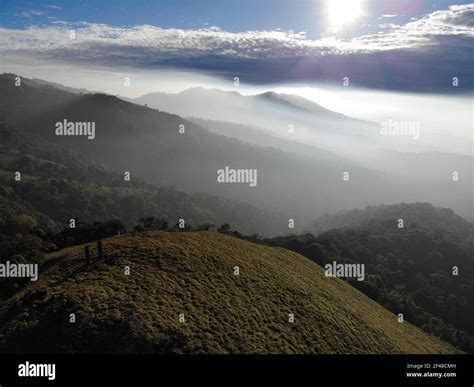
(193, 273)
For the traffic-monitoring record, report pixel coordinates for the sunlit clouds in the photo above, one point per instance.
(146, 43)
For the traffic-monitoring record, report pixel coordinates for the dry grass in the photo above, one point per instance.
(192, 273)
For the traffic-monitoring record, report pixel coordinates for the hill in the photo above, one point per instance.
(424, 269)
(193, 274)
(147, 142)
(59, 183)
(256, 136)
(426, 215)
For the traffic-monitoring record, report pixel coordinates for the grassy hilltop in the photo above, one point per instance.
(192, 273)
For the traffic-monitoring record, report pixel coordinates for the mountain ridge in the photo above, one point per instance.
(428, 217)
(296, 102)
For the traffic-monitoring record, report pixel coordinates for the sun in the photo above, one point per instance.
(343, 12)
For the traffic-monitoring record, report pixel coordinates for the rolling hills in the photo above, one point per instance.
(191, 275)
(301, 182)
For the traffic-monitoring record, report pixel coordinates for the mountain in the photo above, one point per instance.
(318, 128)
(196, 96)
(265, 110)
(265, 119)
(425, 215)
(276, 113)
(147, 143)
(41, 82)
(59, 184)
(305, 105)
(256, 136)
(299, 180)
(190, 276)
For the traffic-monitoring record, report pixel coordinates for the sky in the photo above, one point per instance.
(416, 45)
(376, 60)
(230, 15)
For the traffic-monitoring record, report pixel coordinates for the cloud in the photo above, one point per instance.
(30, 13)
(457, 20)
(253, 54)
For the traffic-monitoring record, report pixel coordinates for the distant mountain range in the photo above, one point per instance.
(312, 125)
(197, 96)
(267, 110)
(301, 180)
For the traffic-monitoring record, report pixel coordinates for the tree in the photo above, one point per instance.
(224, 229)
(206, 227)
